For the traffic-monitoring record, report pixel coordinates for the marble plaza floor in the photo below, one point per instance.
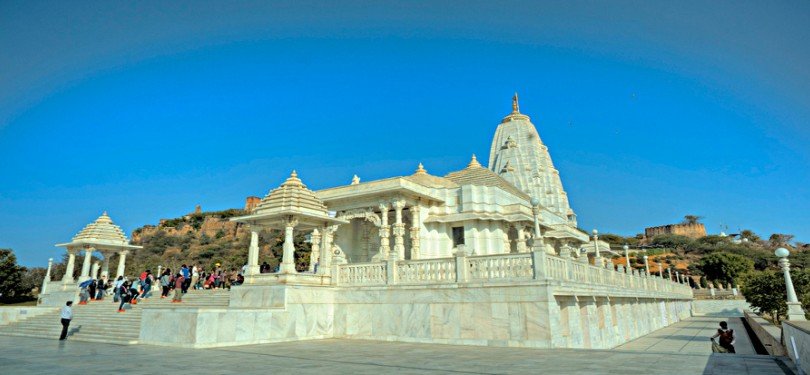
(682, 348)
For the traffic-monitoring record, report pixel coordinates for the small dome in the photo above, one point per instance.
(292, 195)
(103, 229)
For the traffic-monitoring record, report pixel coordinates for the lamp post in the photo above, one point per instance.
(596, 245)
(795, 311)
(627, 256)
(537, 244)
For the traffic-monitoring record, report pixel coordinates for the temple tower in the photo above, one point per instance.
(519, 156)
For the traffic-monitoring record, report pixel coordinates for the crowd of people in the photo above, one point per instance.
(128, 291)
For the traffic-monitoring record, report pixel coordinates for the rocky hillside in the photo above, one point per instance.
(207, 239)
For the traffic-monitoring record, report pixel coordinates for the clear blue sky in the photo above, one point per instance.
(651, 110)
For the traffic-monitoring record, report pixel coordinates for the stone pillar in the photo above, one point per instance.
(325, 259)
(399, 232)
(88, 255)
(462, 272)
(415, 230)
(94, 270)
(253, 252)
(105, 268)
(596, 253)
(47, 278)
(288, 257)
(507, 246)
(122, 259)
(521, 240)
(366, 242)
(385, 245)
(646, 266)
(69, 270)
(315, 253)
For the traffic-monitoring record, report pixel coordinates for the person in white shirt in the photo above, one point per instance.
(67, 315)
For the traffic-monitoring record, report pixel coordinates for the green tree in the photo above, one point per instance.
(780, 239)
(750, 235)
(672, 241)
(691, 219)
(11, 277)
(725, 267)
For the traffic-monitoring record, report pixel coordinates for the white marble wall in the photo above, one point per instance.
(9, 314)
(509, 314)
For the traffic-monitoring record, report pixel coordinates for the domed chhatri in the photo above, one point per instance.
(102, 230)
(290, 206)
(101, 235)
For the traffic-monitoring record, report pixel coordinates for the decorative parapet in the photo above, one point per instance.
(520, 267)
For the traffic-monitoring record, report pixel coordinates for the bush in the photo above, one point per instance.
(672, 241)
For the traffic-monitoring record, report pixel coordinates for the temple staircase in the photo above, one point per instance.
(100, 321)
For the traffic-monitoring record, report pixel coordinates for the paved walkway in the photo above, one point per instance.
(691, 337)
(665, 352)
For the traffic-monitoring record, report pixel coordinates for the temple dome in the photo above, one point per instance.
(476, 174)
(291, 197)
(102, 230)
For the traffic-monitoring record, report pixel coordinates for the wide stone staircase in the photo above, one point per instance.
(100, 321)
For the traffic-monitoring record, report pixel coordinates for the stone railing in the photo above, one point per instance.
(363, 274)
(427, 271)
(502, 266)
(535, 265)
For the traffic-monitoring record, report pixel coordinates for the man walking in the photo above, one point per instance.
(67, 315)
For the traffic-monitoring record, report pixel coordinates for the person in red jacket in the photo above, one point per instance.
(178, 288)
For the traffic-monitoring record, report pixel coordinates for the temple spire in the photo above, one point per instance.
(474, 163)
(515, 104)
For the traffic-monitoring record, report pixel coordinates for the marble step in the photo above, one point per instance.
(98, 339)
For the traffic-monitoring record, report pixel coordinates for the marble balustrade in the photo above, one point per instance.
(499, 268)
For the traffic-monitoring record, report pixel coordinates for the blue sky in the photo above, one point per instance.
(651, 110)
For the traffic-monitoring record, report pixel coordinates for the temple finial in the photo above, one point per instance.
(421, 169)
(515, 104)
(474, 163)
(355, 180)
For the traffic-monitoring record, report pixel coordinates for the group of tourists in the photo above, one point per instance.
(126, 291)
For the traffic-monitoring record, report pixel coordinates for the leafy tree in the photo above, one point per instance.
(725, 267)
(671, 241)
(11, 277)
(766, 291)
(780, 239)
(691, 219)
(750, 235)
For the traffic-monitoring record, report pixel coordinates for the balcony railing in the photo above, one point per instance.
(535, 265)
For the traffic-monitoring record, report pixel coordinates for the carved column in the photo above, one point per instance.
(325, 259)
(105, 268)
(253, 252)
(47, 278)
(366, 242)
(385, 246)
(415, 230)
(122, 259)
(521, 240)
(88, 255)
(399, 232)
(68, 278)
(315, 254)
(507, 247)
(288, 256)
(94, 271)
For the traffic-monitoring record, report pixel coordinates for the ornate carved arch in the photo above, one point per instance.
(361, 213)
